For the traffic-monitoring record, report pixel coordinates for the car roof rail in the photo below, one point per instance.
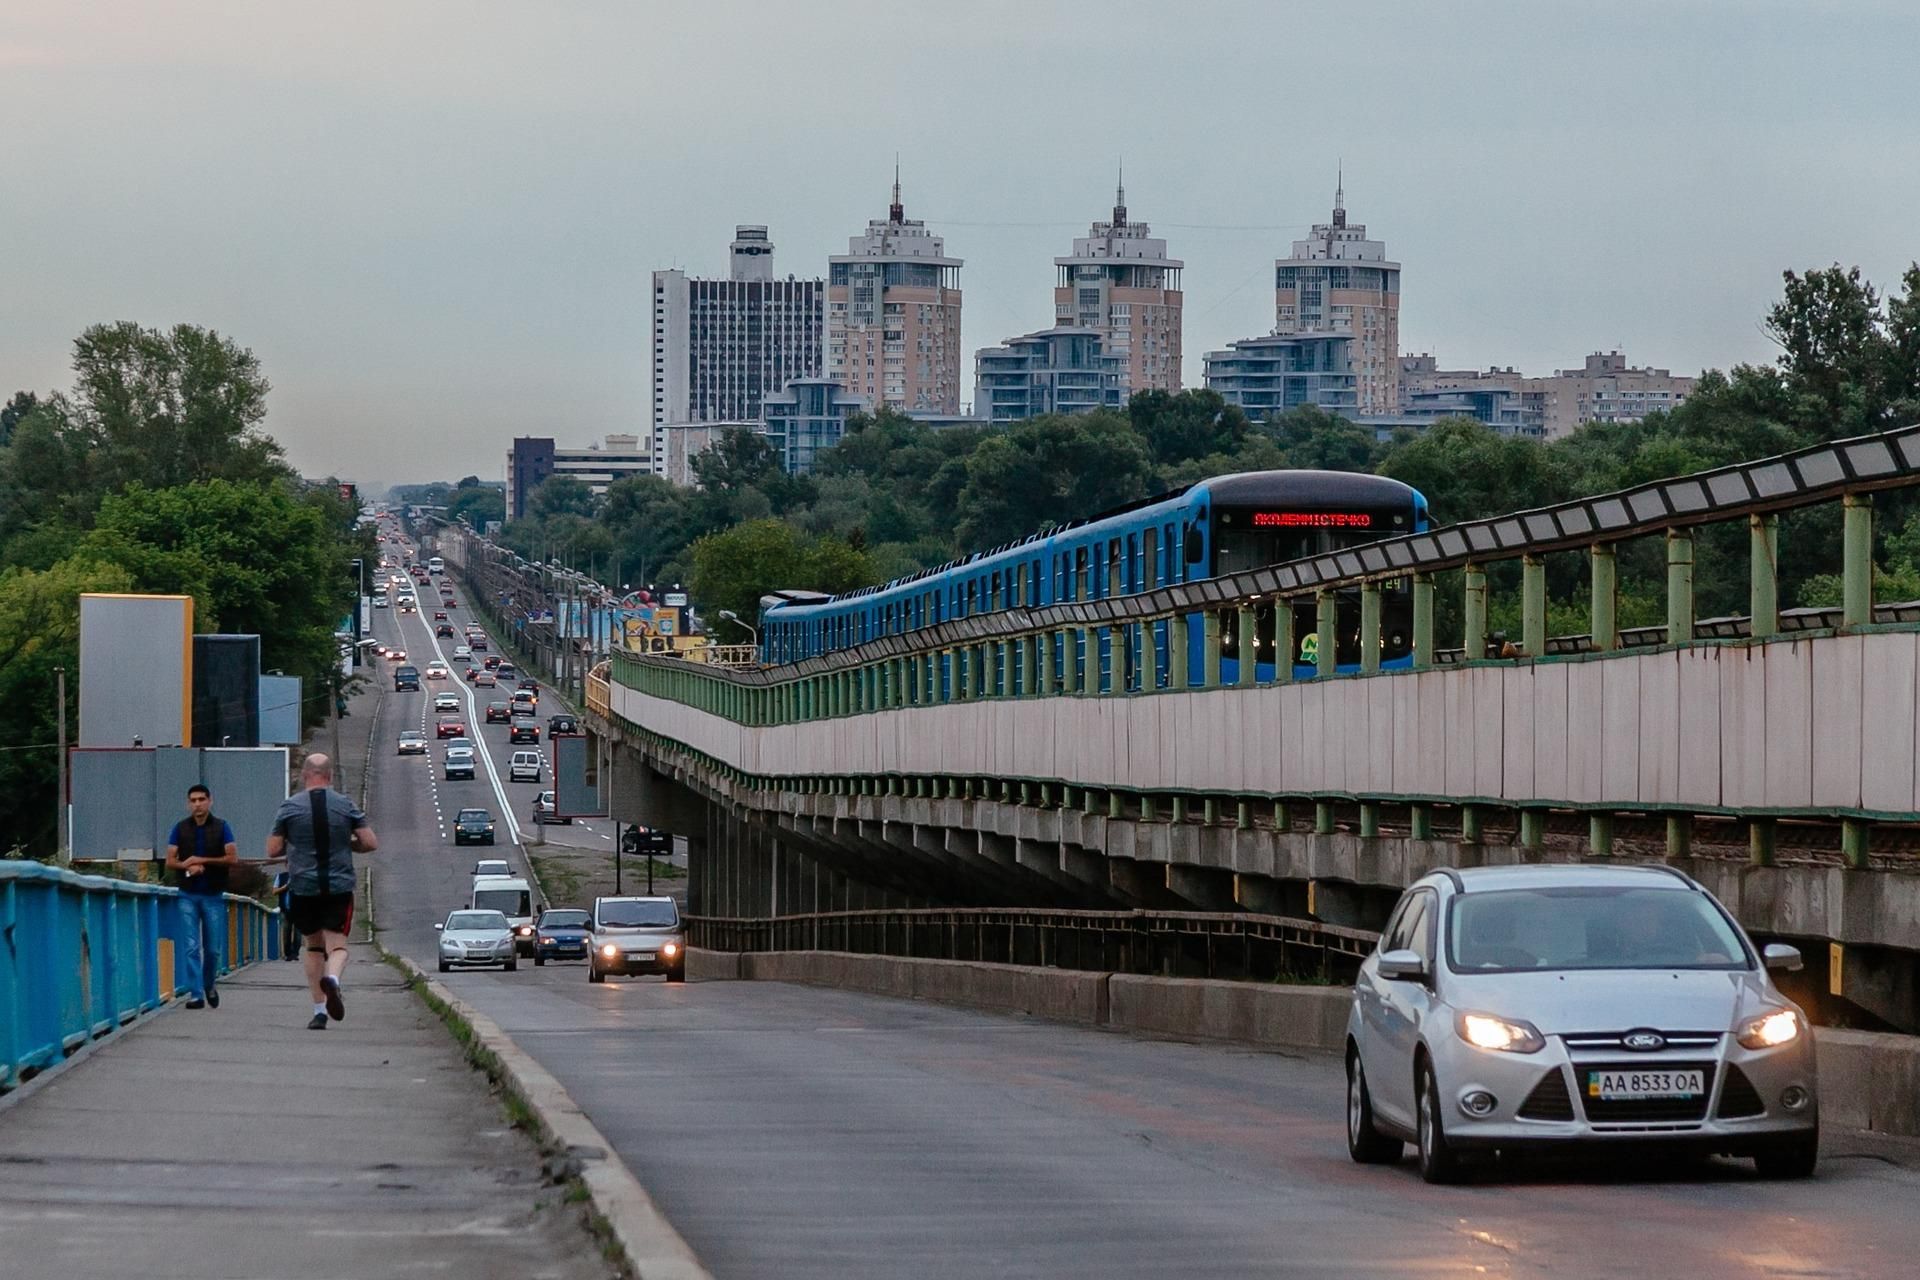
(1459, 885)
(1677, 874)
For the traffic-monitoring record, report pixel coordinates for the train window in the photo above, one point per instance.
(1150, 558)
(1115, 585)
(1171, 573)
(1194, 546)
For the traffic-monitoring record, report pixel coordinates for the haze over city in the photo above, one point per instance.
(436, 223)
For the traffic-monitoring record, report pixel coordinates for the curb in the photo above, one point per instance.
(654, 1250)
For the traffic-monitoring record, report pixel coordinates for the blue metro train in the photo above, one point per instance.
(1224, 525)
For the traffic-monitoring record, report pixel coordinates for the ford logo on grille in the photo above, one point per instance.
(1644, 1041)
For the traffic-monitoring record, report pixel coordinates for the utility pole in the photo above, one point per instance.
(60, 800)
(618, 844)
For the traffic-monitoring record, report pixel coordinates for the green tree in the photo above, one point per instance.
(40, 630)
(1182, 426)
(1050, 469)
(476, 505)
(562, 495)
(733, 568)
(1316, 440)
(22, 404)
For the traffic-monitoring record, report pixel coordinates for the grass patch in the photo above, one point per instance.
(560, 879)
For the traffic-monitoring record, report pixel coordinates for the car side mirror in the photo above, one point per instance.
(1403, 966)
(1778, 955)
(437, 928)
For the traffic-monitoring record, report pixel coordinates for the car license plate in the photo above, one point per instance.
(639, 955)
(1632, 1086)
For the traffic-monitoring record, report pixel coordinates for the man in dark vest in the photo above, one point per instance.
(317, 832)
(199, 853)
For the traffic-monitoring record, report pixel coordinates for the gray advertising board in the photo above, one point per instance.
(576, 777)
(280, 711)
(125, 801)
(136, 670)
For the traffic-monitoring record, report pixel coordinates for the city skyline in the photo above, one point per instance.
(436, 224)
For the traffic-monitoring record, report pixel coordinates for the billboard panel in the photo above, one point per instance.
(280, 711)
(576, 777)
(126, 801)
(136, 670)
(226, 691)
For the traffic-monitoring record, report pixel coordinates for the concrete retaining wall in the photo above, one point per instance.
(1867, 1080)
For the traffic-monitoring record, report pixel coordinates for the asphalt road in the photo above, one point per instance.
(792, 1131)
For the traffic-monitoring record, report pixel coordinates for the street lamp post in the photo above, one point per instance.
(737, 620)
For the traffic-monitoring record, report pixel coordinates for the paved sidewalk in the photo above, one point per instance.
(234, 1143)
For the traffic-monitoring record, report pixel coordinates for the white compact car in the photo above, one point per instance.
(1515, 1008)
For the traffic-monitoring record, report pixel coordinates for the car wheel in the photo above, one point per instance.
(539, 961)
(513, 965)
(677, 975)
(1438, 1161)
(1789, 1158)
(1366, 1144)
(444, 966)
(594, 974)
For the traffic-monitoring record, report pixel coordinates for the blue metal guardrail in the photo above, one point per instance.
(82, 956)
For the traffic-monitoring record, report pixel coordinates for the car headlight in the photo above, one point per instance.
(670, 949)
(609, 950)
(1770, 1030)
(524, 930)
(1484, 1031)
(546, 942)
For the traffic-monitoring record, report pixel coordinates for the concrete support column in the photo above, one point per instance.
(1606, 596)
(1369, 819)
(1470, 824)
(1475, 640)
(1322, 818)
(1533, 605)
(1533, 828)
(1856, 565)
(1246, 641)
(1179, 646)
(1210, 650)
(1422, 621)
(1326, 635)
(1370, 626)
(1282, 640)
(1853, 842)
(1420, 821)
(1679, 835)
(1760, 842)
(1600, 834)
(1763, 584)
(1679, 586)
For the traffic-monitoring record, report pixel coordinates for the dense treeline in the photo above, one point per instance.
(895, 496)
(153, 474)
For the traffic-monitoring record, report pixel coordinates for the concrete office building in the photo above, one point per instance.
(1338, 281)
(534, 458)
(893, 316)
(1606, 389)
(1120, 282)
(720, 347)
(810, 415)
(686, 441)
(1059, 370)
(1270, 375)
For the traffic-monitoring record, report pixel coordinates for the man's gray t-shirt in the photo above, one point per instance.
(295, 824)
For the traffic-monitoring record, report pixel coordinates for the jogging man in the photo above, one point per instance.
(317, 832)
(199, 853)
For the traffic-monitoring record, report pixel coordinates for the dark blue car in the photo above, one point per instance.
(562, 934)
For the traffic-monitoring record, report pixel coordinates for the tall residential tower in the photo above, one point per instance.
(1338, 281)
(893, 315)
(720, 347)
(1120, 282)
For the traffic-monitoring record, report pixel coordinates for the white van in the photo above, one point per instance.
(524, 767)
(512, 897)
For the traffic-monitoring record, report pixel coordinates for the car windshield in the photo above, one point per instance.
(413, 735)
(564, 920)
(512, 902)
(1589, 927)
(473, 815)
(476, 920)
(632, 915)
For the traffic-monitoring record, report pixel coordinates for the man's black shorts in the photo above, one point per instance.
(332, 912)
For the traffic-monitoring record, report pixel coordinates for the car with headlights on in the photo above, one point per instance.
(473, 826)
(446, 702)
(562, 933)
(450, 727)
(477, 937)
(412, 742)
(637, 935)
(1512, 1009)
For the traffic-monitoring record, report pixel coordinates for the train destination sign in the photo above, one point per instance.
(1313, 520)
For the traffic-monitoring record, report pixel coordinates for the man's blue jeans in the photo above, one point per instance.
(200, 959)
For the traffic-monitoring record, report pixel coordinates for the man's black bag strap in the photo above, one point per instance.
(322, 839)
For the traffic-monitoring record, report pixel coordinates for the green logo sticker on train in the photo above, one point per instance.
(1310, 647)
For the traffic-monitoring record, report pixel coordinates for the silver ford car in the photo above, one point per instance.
(1512, 1008)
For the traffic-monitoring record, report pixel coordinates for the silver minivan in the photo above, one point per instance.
(637, 935)
(524, 767)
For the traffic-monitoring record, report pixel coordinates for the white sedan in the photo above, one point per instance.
(446, 702)
(462, 651)
(437, 670)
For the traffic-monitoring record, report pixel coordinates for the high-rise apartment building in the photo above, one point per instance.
(1338, 281)
(1059, 370)
(893, 315)
(1270, 375)
(1605, 389)
(1120, 282)
(721, 346)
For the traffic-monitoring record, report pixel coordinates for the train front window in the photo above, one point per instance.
(1251, 538)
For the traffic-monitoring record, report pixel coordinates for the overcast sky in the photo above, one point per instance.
(435, 222)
